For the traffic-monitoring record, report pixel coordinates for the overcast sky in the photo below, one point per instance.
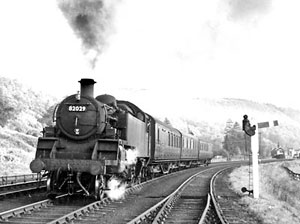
(218, 48)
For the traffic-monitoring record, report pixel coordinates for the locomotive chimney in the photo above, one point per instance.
(87, 87)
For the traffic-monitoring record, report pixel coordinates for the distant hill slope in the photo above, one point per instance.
(24, 112)
(17, 151)
(208, 117)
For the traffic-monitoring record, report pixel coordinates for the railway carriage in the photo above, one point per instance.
(93, 140)
(166, 145)
(190, 150)
(205, 152)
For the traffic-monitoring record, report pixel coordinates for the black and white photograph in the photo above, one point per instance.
(139, 111)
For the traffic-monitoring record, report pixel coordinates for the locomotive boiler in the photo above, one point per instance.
(94, 138)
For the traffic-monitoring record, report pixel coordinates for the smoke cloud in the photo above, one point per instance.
(248, 9)
(91, 21)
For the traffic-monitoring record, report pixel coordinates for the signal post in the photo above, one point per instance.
(255, 168)
(250, 131)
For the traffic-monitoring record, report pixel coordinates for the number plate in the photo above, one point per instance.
(77, 108)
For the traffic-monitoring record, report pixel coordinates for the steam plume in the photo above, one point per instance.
(131, 156)
(116, 189)
(91, 21)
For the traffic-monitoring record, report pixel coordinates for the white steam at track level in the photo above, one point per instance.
(116, 189)
(131, 156)
(91, 21)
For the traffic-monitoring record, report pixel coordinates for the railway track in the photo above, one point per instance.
(228, 204)
(227, 201)
(44, 211)
(15, 179)
(189, 203)
(160, 200)
(22, 188)
(63, 209)
(21, 184)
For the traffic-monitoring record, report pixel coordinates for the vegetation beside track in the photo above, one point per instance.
(17, 151)
(279, 200)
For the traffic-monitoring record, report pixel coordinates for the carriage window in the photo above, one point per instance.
(173, 140)
(158, 135)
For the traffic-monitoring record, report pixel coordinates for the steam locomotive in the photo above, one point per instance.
(93, 140)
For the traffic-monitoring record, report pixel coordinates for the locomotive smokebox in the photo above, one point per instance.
(87, 87)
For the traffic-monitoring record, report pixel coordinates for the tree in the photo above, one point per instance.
(47, 118)
(235, 142)
(228, 126)
(22, 109)
(7, 112)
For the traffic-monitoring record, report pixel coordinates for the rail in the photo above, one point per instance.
(292, 174)
(212, 212)
(8, 180)
(159, 212)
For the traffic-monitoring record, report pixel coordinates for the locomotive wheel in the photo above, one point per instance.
(49, 182)
(100, 184)
(53, 180)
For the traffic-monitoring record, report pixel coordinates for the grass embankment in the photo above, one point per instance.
(279, 200)
(16, 152)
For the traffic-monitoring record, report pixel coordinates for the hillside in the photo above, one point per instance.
(209, 117)
(24, 112)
